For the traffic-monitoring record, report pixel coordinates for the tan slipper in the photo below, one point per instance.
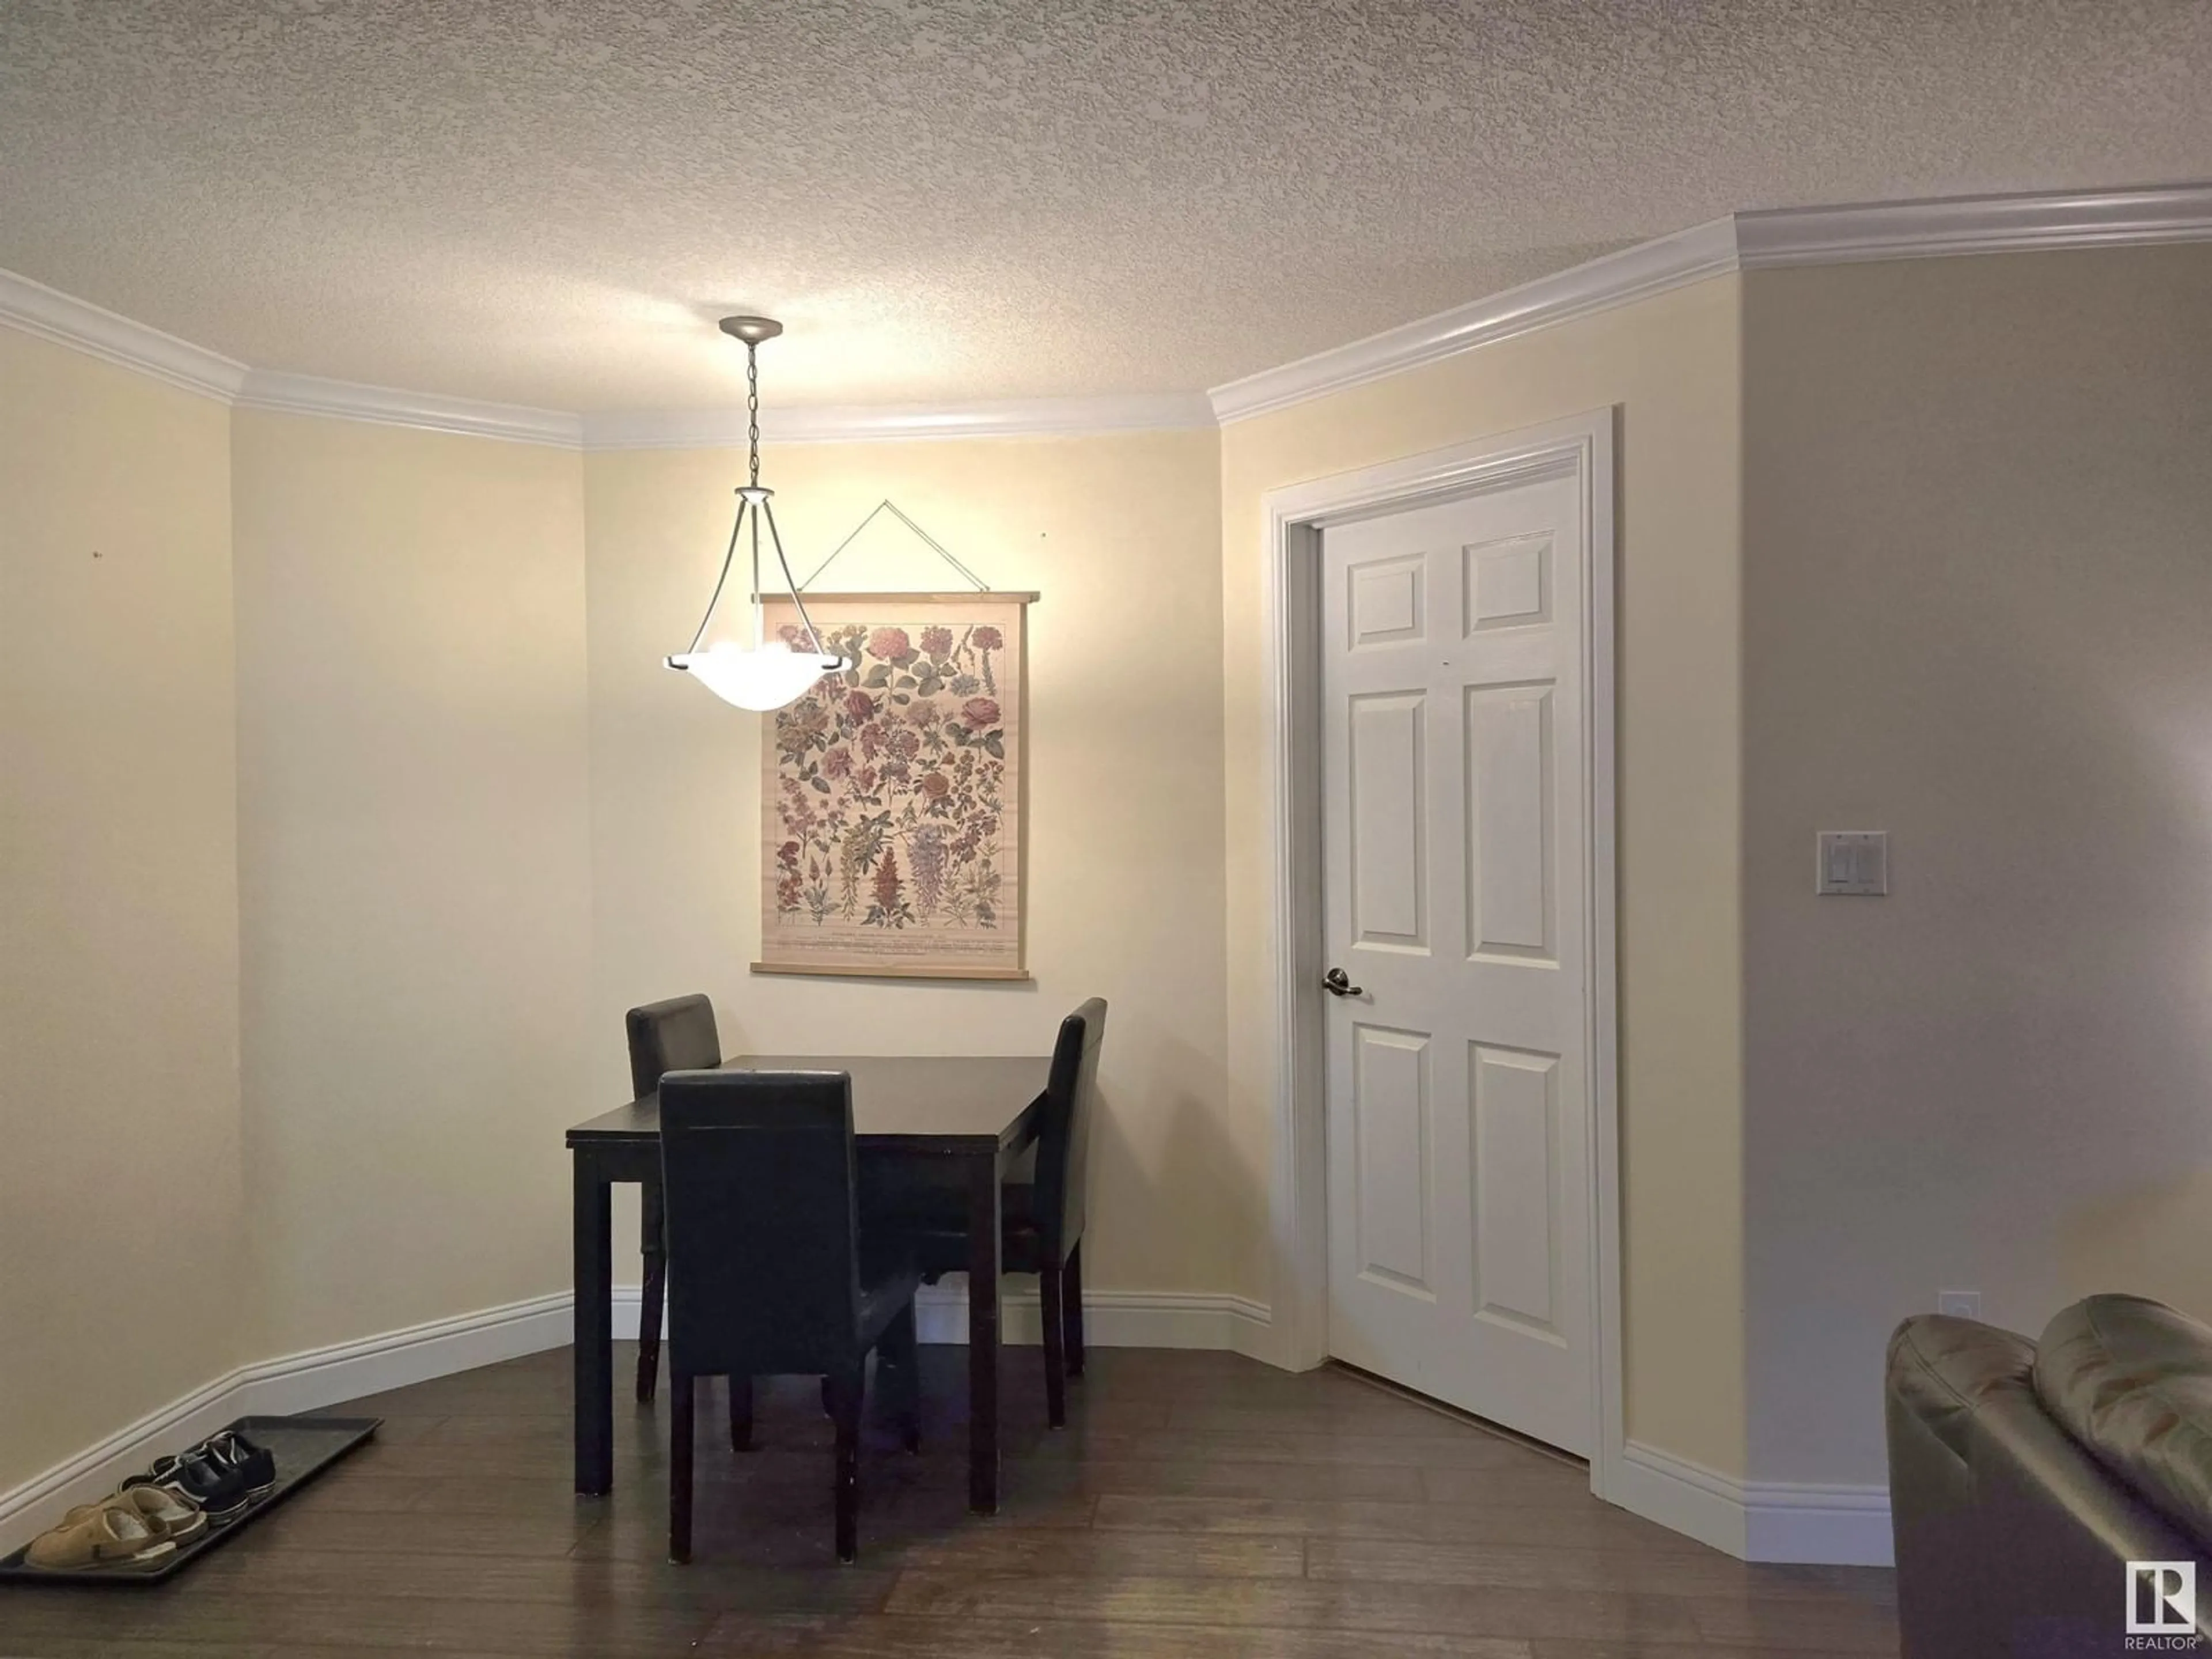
(113, 1538)
(169, 1515)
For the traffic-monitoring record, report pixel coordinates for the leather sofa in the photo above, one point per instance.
(2025, 1478)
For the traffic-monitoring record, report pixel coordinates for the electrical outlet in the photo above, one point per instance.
(1960, 1304)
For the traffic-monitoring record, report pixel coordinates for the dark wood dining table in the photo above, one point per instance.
(943, 1119)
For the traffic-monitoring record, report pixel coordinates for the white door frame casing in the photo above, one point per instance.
(1293, 786)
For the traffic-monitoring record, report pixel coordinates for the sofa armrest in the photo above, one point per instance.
(2012, 1542)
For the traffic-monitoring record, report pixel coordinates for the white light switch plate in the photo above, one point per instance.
(1960, 1304)
(1854, 862)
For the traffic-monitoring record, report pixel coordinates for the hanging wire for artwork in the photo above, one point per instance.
(889, 506)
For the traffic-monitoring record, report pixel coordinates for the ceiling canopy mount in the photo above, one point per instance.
(751, 330)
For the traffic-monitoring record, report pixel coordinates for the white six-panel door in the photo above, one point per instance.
(1455, 846)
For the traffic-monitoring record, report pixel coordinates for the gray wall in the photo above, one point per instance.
(1977, 555)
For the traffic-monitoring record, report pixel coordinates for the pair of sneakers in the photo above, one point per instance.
(224, 1475)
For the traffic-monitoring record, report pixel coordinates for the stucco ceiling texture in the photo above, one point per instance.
(549, 203)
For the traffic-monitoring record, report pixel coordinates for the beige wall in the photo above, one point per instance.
(1124, 898)
(1919, 546)
(1671, 364)
(414, 868)
(1978, 544)
(118, 976)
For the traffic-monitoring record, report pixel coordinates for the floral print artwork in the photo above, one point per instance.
(892, 795)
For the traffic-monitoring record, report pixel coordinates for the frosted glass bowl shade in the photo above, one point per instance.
(760, 678)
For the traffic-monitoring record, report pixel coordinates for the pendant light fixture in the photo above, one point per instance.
(767, 673)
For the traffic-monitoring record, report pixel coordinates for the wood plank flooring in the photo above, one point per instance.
(1197, 1506)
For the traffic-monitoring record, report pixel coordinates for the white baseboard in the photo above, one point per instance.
(1111, 1319)
(294, 1383)
(347, 1371)
(1685, 1497)
(1755, 1521)
(28, 1510)
(1839, 1526)
(1760, 1521)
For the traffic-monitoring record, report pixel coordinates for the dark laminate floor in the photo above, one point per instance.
(1197, 1506)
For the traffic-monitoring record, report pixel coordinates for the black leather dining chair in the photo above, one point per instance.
(766, 1273)
(1041, 1220)
(675, 1036)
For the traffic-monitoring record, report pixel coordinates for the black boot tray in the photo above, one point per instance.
(304, 1447)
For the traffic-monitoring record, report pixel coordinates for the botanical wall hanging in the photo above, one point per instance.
(891, 793)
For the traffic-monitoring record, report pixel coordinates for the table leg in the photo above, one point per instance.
(983, 1336)
(595, 1334)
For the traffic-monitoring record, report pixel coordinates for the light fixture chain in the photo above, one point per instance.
(752, 411)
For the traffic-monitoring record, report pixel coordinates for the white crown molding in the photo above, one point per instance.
(2025, 223)
(1749, 241)
(1934, 228)
(425, 411)
(1616, 279)
(1029, 417)
(66, 320)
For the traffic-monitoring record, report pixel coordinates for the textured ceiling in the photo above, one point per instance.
(549, 203)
